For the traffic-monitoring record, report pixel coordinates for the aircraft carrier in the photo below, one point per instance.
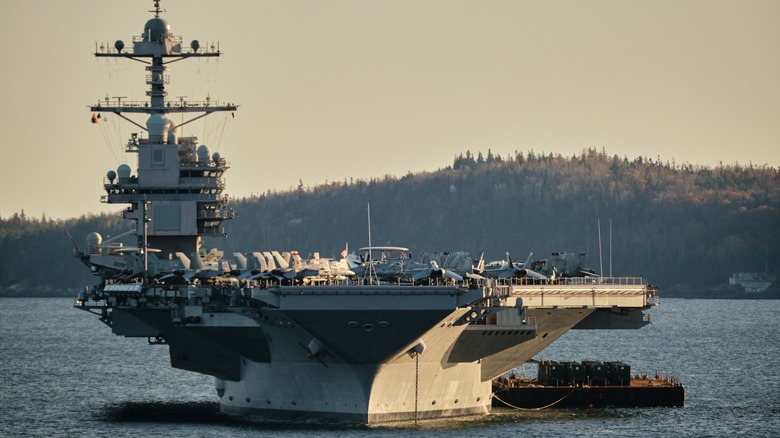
(319, 339)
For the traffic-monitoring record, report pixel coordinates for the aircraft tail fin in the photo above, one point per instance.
(196, 263)
(281, 261)
(240, 260)
(258, 261)
(185, 262)
(269, 259)
(528, 260)
(480, 266)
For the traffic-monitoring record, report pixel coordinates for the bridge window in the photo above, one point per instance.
(158, 157)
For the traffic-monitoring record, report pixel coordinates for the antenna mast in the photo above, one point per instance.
(371, 271)
(601, 260)
(157, 9)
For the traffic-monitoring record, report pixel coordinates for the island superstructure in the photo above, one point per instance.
(318, 339)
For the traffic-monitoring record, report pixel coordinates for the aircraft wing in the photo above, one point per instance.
(449, 274)
(532, 274)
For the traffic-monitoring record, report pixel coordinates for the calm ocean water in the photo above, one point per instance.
(62, 373)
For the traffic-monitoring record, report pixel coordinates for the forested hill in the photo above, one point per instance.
(683, 227)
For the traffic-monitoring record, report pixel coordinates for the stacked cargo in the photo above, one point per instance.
(619, 373)
(587, 373)
(598, 373)
(552, 373)
(578, 374)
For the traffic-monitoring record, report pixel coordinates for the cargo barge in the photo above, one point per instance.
(587, 385)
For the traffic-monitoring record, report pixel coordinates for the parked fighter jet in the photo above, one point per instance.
(389, 263)
(255, 266)
(458, 262)
(508, 269)
(570, 264)
(298, 268)
(197, 267)
(110, 259)
(318, 269)
(433, 271)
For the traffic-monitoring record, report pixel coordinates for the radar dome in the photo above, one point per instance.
(173, 133)
(93, 242)
(119, 45)
(195, 44)
(203, 153)
(157, 126)
(156, 30)
(216, 157)
(111, 175)
(94, 239)
(123, 171)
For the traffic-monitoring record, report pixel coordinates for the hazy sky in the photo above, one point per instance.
(337, 89)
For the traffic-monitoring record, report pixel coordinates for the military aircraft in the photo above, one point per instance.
(570, 264)
(458, 262)
(394, 263)
(434, 272)
(317, 269)
(299, 268)
(110, 259)
(251, 266)
(509, 269)
(210, 268)
(289, 267)
(263, 266)
(388, 263)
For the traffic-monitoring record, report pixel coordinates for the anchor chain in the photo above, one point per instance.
(416, 383)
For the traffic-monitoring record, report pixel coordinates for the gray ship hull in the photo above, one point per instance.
(404, 388)
(358, 354)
